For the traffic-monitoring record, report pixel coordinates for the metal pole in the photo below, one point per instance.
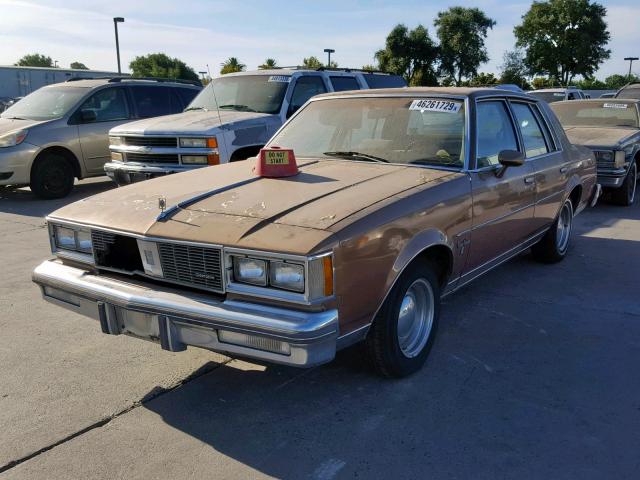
(630, 60)
(117, 20)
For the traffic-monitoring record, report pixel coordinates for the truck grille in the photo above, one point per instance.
(605, 164)
(169, 142)
(192, 266)
(151, 158)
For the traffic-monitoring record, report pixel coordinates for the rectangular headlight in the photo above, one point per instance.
(250, 270)
(115, 141)
(604, 155)
(620, 159)
(72, 239)
(83, 241)
(289, 276)
(194, 159)
(193, 142)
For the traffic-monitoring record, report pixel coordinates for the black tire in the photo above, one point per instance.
(553, 246)
(626, 194)
(52, 177)
(382, 342)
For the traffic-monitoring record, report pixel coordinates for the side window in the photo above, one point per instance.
(341, 84)
(306, 87)
(187, 94)
(532, 136)
(151, 101)
(494, 133)
(108, 105)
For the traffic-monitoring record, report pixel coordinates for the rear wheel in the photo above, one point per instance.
(626, 194)
(403, 331)
(52, 177)
(554, 245)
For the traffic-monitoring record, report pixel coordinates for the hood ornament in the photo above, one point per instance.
(162, 204)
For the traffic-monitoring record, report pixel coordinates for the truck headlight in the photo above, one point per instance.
(250, 270)
(194, 159)
(115, 141)
(604, 155)
(199, 142)
(14, 138)
(71, 239)
(620, 159)
(289, 276)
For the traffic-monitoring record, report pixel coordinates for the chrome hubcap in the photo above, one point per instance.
(564, 227)
(415, 318)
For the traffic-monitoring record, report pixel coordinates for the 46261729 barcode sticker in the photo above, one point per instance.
(446, 106)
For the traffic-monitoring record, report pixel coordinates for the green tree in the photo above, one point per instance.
(591, 84)
(370, 68)
(312, 63)
(513, 69)
(410, 53)
(78, 66)
(618, 81)
(35, 60)
(268, 64)
(542, 82)
(564, 38)
(161, 66)
(483, 80)
(462, 33)
(232, 65)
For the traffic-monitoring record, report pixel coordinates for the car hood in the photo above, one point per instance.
(193, 122)
(229, 205)
(599, 136)
(9, 125)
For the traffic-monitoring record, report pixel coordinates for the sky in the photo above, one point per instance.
(206, 32)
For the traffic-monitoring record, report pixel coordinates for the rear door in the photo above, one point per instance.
(154, 100)
(111, 109)
(303, 89)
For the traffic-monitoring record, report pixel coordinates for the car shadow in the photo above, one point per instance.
(21, 201)
(533, 375)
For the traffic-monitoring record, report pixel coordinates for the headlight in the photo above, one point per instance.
(199, 142)
(620, 159)
(12, 139)
(71, 239)
(286, 275)
(115, 141)
(250, 270)
(604, 156)
(194, 159)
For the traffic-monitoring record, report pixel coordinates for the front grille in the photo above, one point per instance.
(168, 142)
(151, 158)
(605, 164)
(192, 265)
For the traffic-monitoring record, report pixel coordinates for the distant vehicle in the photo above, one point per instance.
(631, 90)
(551, 95)
(231, 119)
(608, 95)
(611, 128)
(510, 86)
(60, 131)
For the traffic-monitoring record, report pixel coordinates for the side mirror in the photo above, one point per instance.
(88, 116)
(509, 158)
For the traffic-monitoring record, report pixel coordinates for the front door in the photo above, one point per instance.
(503, 206)
(102, 111)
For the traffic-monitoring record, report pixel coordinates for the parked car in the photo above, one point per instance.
(61, 131)
(510, 86)
(231, 119)
(398, 197)
(551, 95)
(631, 90)
(611, 128)
(608, 95)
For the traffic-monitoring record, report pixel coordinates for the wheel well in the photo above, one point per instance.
(441, 258)
(245, 152)
(575, 196)
(68, 155)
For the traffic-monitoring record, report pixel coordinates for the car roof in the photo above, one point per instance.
(599, 100)
(96, 82)
(631, 85)
(471, 92)
(551, 90)
(291, 71)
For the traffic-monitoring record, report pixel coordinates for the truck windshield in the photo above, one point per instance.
(605, 113)
(46, 103)
(549, 97)
(417, 131)
(244, 93)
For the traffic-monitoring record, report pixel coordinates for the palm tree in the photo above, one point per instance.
(268, 64)
(230, 65)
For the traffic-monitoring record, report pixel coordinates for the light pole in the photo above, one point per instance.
(202, 74)
(329, 51)
(55, 63)
(630, 60)
(116, 21)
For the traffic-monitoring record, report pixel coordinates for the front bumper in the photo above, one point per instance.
(124, 173)
(15, 164)
(176, 319)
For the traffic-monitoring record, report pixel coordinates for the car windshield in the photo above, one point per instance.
(46, 103)
(418, 131)
(608, 113)
(244, 93)
(548, 97)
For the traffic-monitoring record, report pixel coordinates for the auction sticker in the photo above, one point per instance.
(446, 106)
(615, 105)
(280, 78)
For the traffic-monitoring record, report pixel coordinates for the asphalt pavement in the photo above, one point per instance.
(535, 374)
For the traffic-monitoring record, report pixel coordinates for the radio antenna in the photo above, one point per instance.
(213, 90)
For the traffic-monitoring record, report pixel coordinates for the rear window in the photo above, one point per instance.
(629, 92)
(186, 95)
(384, 81)
(597, 113)
(549, 97)
(153, 101)
(341, 84)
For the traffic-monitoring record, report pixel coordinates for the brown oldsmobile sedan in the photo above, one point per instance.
(398, 198)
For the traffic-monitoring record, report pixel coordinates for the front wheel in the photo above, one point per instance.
(554, 245)
(626, 194)
(403, 331)
(52, 177)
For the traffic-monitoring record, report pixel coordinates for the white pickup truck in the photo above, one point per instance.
(231, 119)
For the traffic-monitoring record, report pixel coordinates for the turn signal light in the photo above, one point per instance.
(327, 266)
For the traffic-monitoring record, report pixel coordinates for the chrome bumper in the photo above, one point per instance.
(124, 173)
(176, 319)
(597, 192)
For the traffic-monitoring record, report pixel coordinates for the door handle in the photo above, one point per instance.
(564, 169)
(529, 180)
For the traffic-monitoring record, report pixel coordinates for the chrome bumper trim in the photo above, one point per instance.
(597, 191)
(177, 319)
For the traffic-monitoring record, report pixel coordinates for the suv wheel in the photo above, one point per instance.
(403, 331)
(626, 194)
(554, 245)
(52, 177)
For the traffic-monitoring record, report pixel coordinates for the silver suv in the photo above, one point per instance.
(231, 119)
(61, 131)
(551, 95)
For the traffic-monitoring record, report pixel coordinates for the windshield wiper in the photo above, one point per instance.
(237, 107)
(196, 108)
(358, 155)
